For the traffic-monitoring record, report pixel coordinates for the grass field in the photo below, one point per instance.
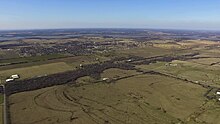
(30, 59)
(40, 66)
(138, 99)
(35, 71)
(147, 51)
(206, 70)
(129, 97)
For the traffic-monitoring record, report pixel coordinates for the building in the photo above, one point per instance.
(15, 76)
(105, 79)
(12, 78)
(129, 60)
(81, 65)
(9, 80)
(218, 93)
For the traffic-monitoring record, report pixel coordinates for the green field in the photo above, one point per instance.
(45, 65)
(138, 99)
(176, 94)
(36, 71)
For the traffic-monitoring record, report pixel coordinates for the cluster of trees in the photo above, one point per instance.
(62, 78)
(93, 70)
(165, 59)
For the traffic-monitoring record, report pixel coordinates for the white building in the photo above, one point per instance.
(15, 76)
(8, 80)
(218, 93)
(105, 79)
(129, 60)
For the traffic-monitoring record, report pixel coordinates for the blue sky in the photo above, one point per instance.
(175, 14)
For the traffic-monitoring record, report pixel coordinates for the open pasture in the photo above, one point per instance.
(137, 99)
(38, 70)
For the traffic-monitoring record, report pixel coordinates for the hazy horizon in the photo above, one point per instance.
(150, 14)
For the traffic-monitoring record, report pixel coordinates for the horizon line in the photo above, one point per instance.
(181, 29)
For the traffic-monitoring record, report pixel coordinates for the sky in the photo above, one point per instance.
(159, 14)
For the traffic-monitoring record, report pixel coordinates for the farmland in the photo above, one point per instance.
(113, 80)
(121, 102)
(129, 96)
(135, 99)
(35, 71)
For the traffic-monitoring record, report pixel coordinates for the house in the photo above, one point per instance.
(15, 76)
(218, 92)
(129, 60)
(9, 80)
(105, 79)
(219, 99)
(12, 78)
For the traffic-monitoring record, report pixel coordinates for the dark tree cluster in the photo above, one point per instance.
(62, 78)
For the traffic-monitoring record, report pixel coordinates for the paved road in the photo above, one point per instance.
(5, 107)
